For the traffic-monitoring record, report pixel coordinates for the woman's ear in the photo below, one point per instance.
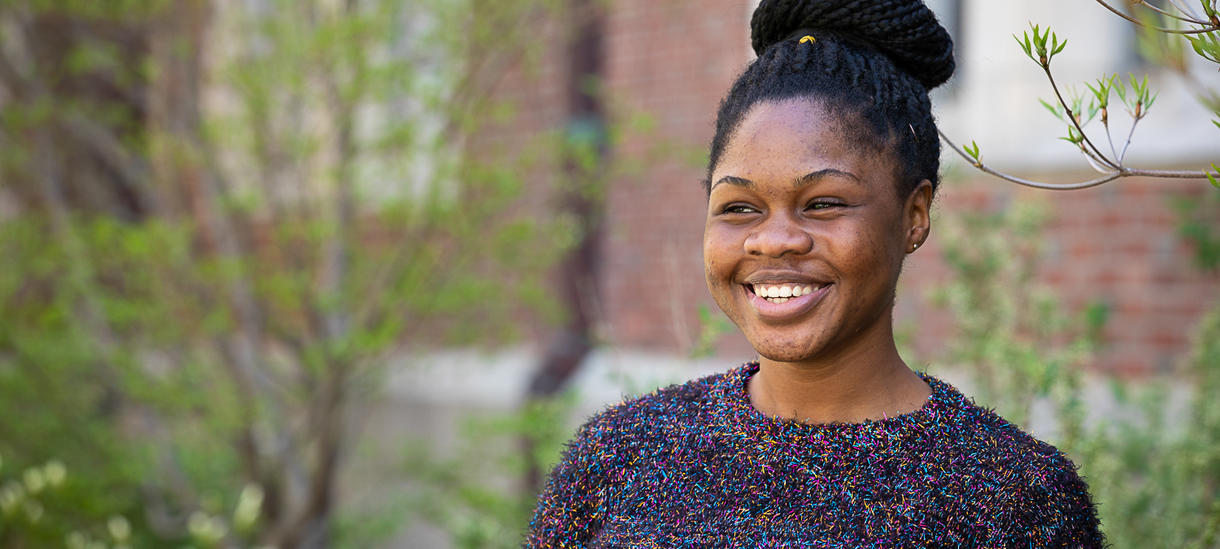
(918, 215)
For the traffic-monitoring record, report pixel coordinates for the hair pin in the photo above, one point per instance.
(807, 38)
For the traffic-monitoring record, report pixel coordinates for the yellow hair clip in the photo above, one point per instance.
(807, 38)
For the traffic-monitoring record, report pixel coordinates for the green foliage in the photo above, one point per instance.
(1153, 471)
(1199, 225)
(973, 151)
(480, 479)
(194, 364)
(1018, 344)
(1206, 45)
(1036, 48)
(712, 325)
(1151, 465)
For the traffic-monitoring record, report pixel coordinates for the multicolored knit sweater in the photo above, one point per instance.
(695, 465)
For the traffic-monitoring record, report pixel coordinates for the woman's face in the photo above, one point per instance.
(798, 212)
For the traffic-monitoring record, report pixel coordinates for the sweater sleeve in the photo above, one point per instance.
(571, 507)
(1054, 509)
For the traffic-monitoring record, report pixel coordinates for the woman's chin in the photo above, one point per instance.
(784, 352)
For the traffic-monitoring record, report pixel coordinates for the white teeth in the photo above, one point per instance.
(781, 293)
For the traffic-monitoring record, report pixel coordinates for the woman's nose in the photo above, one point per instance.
(778, 236)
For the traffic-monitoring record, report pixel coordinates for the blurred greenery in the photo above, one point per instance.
(480, 479)
(228, 215)
(1151, 462)
(1018, 344)
(1199, 225)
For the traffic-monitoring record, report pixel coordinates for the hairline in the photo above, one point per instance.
(843, 117)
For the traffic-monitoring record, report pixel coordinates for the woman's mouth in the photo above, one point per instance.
(782, 292)
(781, 300)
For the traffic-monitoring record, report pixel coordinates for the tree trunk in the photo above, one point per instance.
(586, 152)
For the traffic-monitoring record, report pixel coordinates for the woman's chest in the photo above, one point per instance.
(731, 499)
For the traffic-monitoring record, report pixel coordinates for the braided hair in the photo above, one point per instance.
(872, 59)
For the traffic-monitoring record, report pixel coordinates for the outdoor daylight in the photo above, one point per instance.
(543, 274)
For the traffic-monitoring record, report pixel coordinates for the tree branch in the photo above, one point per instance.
(1174, 15)
(1208, 28)
(1111, 176)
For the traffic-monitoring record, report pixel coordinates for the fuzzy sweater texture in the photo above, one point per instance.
(696, 466)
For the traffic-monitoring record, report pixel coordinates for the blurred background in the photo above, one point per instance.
(347, 273)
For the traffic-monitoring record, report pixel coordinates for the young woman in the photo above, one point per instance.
(821, 177)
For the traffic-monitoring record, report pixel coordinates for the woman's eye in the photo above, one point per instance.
(738, 209)
(823, 205)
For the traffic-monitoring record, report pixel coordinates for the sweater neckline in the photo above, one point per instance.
(746, 419)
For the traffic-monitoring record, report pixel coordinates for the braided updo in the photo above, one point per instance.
(872, 59)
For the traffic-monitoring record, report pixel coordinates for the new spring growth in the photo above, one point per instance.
(1140, 97)
(973, 151)
(1037, 45)
(1101, 96)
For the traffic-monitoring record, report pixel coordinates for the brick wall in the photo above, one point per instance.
(672, 61)
(1115, 245)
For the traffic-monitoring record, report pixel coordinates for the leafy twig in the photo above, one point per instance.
(1077, 115)
(1037, 50)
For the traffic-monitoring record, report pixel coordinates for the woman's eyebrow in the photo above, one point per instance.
(734, 180)
(798, 182)
(815, 176)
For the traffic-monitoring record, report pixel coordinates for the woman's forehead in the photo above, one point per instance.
(789, 138)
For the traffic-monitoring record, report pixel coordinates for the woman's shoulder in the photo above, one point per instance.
(980, 434)
(1032, 489)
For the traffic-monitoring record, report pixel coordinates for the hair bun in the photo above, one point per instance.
(906, 31)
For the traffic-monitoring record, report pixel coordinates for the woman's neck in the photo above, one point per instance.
(867, 382)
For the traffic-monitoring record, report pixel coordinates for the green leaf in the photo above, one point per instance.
(1056, 45)
(1053, 109)
(973, 150)
(1025, 45)
(1102, 91)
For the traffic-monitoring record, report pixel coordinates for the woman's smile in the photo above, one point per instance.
(781, 301)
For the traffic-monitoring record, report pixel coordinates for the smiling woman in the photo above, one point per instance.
(821, 178)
